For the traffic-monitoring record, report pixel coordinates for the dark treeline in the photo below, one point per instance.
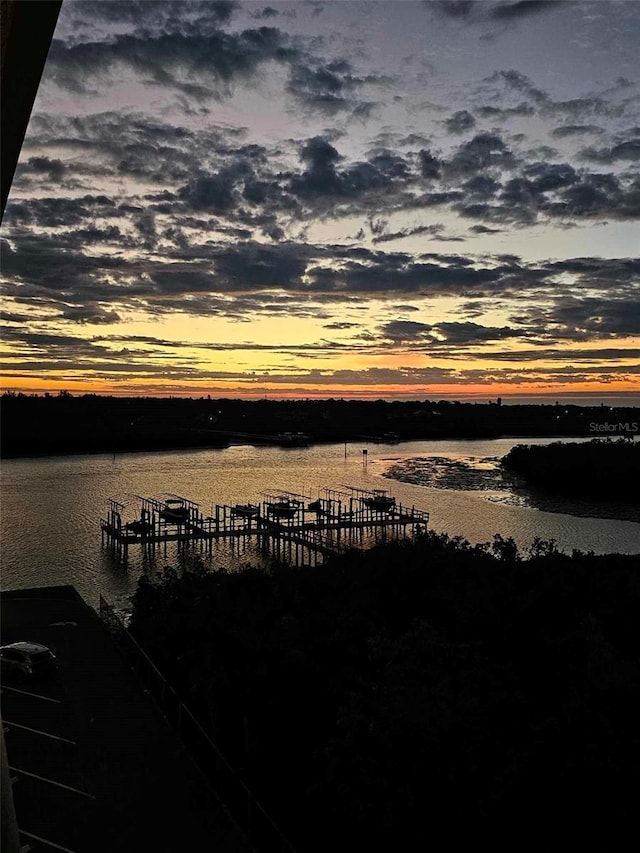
(422, 695)
(607, 470)
(64, 423)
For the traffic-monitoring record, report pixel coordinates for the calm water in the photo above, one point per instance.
(50, 532)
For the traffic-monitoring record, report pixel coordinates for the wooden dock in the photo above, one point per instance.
(289, 526)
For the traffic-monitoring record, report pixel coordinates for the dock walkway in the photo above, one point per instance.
(281, 521)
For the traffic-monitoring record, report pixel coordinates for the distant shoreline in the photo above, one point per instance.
(68, 426)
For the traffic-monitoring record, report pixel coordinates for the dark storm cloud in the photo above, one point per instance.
(329, 86)
(195, 58)
(57, 271)
(445, 334)
(262, 14)
(481, 187)
(53, 169)
(213, 58)
(90, 314)
(460, 122)
(594, 195)
(211, 192)
(54, 211)
(400, 273)
(430, 165)
(519, 82)
(145, 225)
(596, 355)
(58, 345)
(466, 333)
(155, 13)
(108, 131)
(405, 330)
(131, 145)
(260, 267)
(452, 8)
(574, 318)
(523, 8)
(599, 317)
(482, 229)
(436, 231)
(322, 177)
(483, 10)
(575, 111)
(569, 130)
(341, 326)
(606, 273)
(201, 279)
(215, 172)
(54, 265)
(545, 177)
(548, 191)
(483, 151)
(95, 234)
(522, 109)
(627, 150)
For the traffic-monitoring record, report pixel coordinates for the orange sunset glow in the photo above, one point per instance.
(301, 201)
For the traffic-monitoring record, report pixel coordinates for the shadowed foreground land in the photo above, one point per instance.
(426, 694)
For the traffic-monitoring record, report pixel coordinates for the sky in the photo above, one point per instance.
(400, 200)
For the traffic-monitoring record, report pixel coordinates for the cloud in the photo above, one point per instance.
(453, 8)
(90, 314)
(54, 169)
(483, 229)
(210, 192)
(405, 330)
(466, 333)
(519, 82)
(430, 165)
(329, 86)
(485, 150)
(262, 14)
(481, 187)
(340, 326)
(479, 11)
(597, 317)
(596, 355)
(627, 150)
(460, 122)
(522, 109)
(175, 59)
(545, 177)
(521, 9)
(161, 14)
(569, 130)
(436, 231)
(322, 178)
(581, 318)
(445, 334)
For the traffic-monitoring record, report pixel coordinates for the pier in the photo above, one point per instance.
(289, 526)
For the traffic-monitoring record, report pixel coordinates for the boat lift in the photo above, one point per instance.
(282, 521)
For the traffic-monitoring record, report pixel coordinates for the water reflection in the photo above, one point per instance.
(50, 531)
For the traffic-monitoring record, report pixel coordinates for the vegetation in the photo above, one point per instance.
(421, 694)
(66, 423)
(607, 470)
